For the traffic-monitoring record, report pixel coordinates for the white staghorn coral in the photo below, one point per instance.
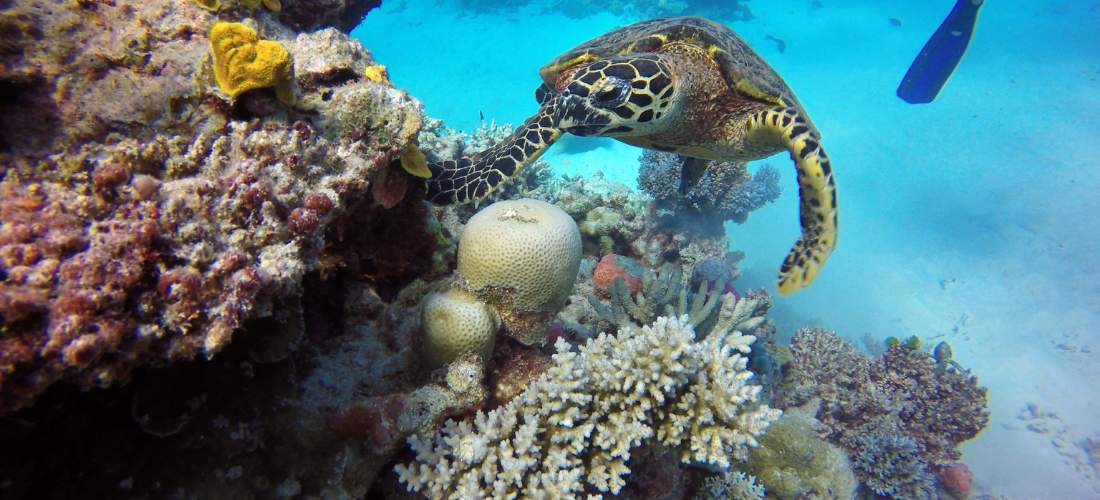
(579, 422)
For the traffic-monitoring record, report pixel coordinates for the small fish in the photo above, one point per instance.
(895, 22)
(779, 44)
(481, 115)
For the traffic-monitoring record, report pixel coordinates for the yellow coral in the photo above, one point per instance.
(377, 73)
(210, 5)
(414, 162)
(243, 62)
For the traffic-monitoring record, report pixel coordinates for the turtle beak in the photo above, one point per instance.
(577, 115)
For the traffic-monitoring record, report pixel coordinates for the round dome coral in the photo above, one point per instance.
(521, 256)
(456, 323)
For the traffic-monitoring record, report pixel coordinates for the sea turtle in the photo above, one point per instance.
(685, 85)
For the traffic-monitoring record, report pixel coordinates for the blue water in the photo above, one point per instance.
(974, 219)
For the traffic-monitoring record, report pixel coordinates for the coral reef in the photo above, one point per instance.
(937, 407)
(793, 462)
(383, 421)
(455, 323)
(890, 466)
(522, 257)
(665, 292)
(730, 485)
(579, 422)
(956, 479)
(146, 216)
(612, 267)
(725, 191)
(245, 424)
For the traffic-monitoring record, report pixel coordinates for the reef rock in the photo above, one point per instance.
(146, 213)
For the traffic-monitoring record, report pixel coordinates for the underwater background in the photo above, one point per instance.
(971, 219)
(219, 277)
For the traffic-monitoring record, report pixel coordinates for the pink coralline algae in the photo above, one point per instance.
(956, 479)
(613, 266)
(145, 214)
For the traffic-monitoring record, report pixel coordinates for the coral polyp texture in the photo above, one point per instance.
(145, 216)
(577, 425)
(243, 62)
(903, 391)
(724, 191)
(455, 323)
(522, 257)
(793, 462)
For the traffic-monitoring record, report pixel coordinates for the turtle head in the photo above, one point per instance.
(615, 97)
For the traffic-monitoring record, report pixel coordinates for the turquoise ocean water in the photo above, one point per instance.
(974, 219)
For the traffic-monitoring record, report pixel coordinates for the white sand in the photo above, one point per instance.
(975, 219)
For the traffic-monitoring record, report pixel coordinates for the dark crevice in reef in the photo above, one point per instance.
(149, 437)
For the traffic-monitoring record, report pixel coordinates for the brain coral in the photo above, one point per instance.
(456, 323)
(522, 256)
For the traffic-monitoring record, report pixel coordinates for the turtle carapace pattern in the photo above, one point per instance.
(684, 85)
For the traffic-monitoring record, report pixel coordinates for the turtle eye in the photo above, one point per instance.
(611, 93)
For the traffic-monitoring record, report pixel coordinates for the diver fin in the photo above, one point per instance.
(691, 170)
(471, 179)
(940, 55)
(816, 194)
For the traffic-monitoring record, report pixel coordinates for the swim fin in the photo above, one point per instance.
(940, 55)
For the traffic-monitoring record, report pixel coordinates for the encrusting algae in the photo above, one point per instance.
(243, 62)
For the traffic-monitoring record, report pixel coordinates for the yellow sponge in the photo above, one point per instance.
(243, 62)
(457, 323)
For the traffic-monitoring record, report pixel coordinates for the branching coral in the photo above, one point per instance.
(578, 423)
(730, 485)
(937, 408)
(889, 465)
(665, 293)
(725, 191)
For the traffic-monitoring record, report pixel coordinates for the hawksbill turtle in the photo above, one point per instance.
(684, 85)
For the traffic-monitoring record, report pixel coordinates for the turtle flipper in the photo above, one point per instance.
(816, 193)
(471, 179)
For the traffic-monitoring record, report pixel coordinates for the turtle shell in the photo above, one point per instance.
(743, 69)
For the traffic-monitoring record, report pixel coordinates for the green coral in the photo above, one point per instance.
(794, 463)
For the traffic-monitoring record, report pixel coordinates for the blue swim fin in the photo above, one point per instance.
(940, 55)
